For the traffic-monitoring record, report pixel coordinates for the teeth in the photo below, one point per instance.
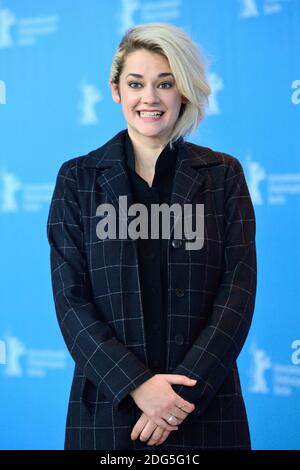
(149, 114)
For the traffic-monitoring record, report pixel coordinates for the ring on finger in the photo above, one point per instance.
(172, 418)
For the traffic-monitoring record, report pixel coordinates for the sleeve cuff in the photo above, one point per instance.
(123, 396)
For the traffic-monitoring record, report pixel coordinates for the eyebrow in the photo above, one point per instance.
(138, 75)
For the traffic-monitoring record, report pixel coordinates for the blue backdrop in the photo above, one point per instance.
(55, 104)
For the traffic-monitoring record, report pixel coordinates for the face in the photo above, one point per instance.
(147, 83)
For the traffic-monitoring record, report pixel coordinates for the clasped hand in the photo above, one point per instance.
(158, 401)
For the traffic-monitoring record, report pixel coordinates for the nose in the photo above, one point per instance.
(150, 95)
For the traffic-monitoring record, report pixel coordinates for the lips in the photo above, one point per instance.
(150, 118)
(150, 110)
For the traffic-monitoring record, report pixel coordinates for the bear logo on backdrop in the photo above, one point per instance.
(2, 352)
(216, 85)
(90, 96)
(16, 195)
(256, 8)
(21, 361)
(26, 30)
(279, 188)
(271, 369)
(270, 377)
(2, 92)
(7, 20)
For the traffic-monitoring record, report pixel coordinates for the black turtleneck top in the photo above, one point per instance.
(152, 253)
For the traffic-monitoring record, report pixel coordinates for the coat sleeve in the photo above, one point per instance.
(104, 360)
(214, 352)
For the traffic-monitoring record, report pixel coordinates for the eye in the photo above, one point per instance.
(170, 84)
(167, 83)
(133, 83)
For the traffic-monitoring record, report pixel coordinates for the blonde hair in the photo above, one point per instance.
(186, 62)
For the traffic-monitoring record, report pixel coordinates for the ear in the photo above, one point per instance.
(114, 91)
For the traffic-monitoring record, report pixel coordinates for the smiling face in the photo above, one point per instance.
(147, 83)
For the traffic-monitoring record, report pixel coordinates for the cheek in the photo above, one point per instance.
(127, 98)
(131, 102)
(174, 104)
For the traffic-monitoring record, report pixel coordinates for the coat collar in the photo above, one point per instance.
(115, 181)
(112, 152)
(165, 162)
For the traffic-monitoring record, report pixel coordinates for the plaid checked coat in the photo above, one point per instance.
(97, 296)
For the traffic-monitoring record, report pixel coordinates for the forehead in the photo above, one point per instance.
(146, 62)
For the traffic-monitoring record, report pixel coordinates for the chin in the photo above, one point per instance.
(153, 133)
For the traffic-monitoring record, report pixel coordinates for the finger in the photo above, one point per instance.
(147, 431)
(186, 406)
(180, 379)
(178, 413)
(175, 420)
(139, 426)
(164, 436)
(181, 414)
(137, 429)
(162, 423)
(156, 435)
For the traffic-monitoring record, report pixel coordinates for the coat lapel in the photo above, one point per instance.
(114, 179)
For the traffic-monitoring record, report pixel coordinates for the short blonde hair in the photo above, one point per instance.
(186, 62)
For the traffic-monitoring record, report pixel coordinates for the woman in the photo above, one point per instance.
(154, 323)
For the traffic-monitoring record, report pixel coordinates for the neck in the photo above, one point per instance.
(146, 152)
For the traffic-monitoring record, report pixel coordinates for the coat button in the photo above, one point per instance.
(179, 339)
(176, 243)
(179, 292)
